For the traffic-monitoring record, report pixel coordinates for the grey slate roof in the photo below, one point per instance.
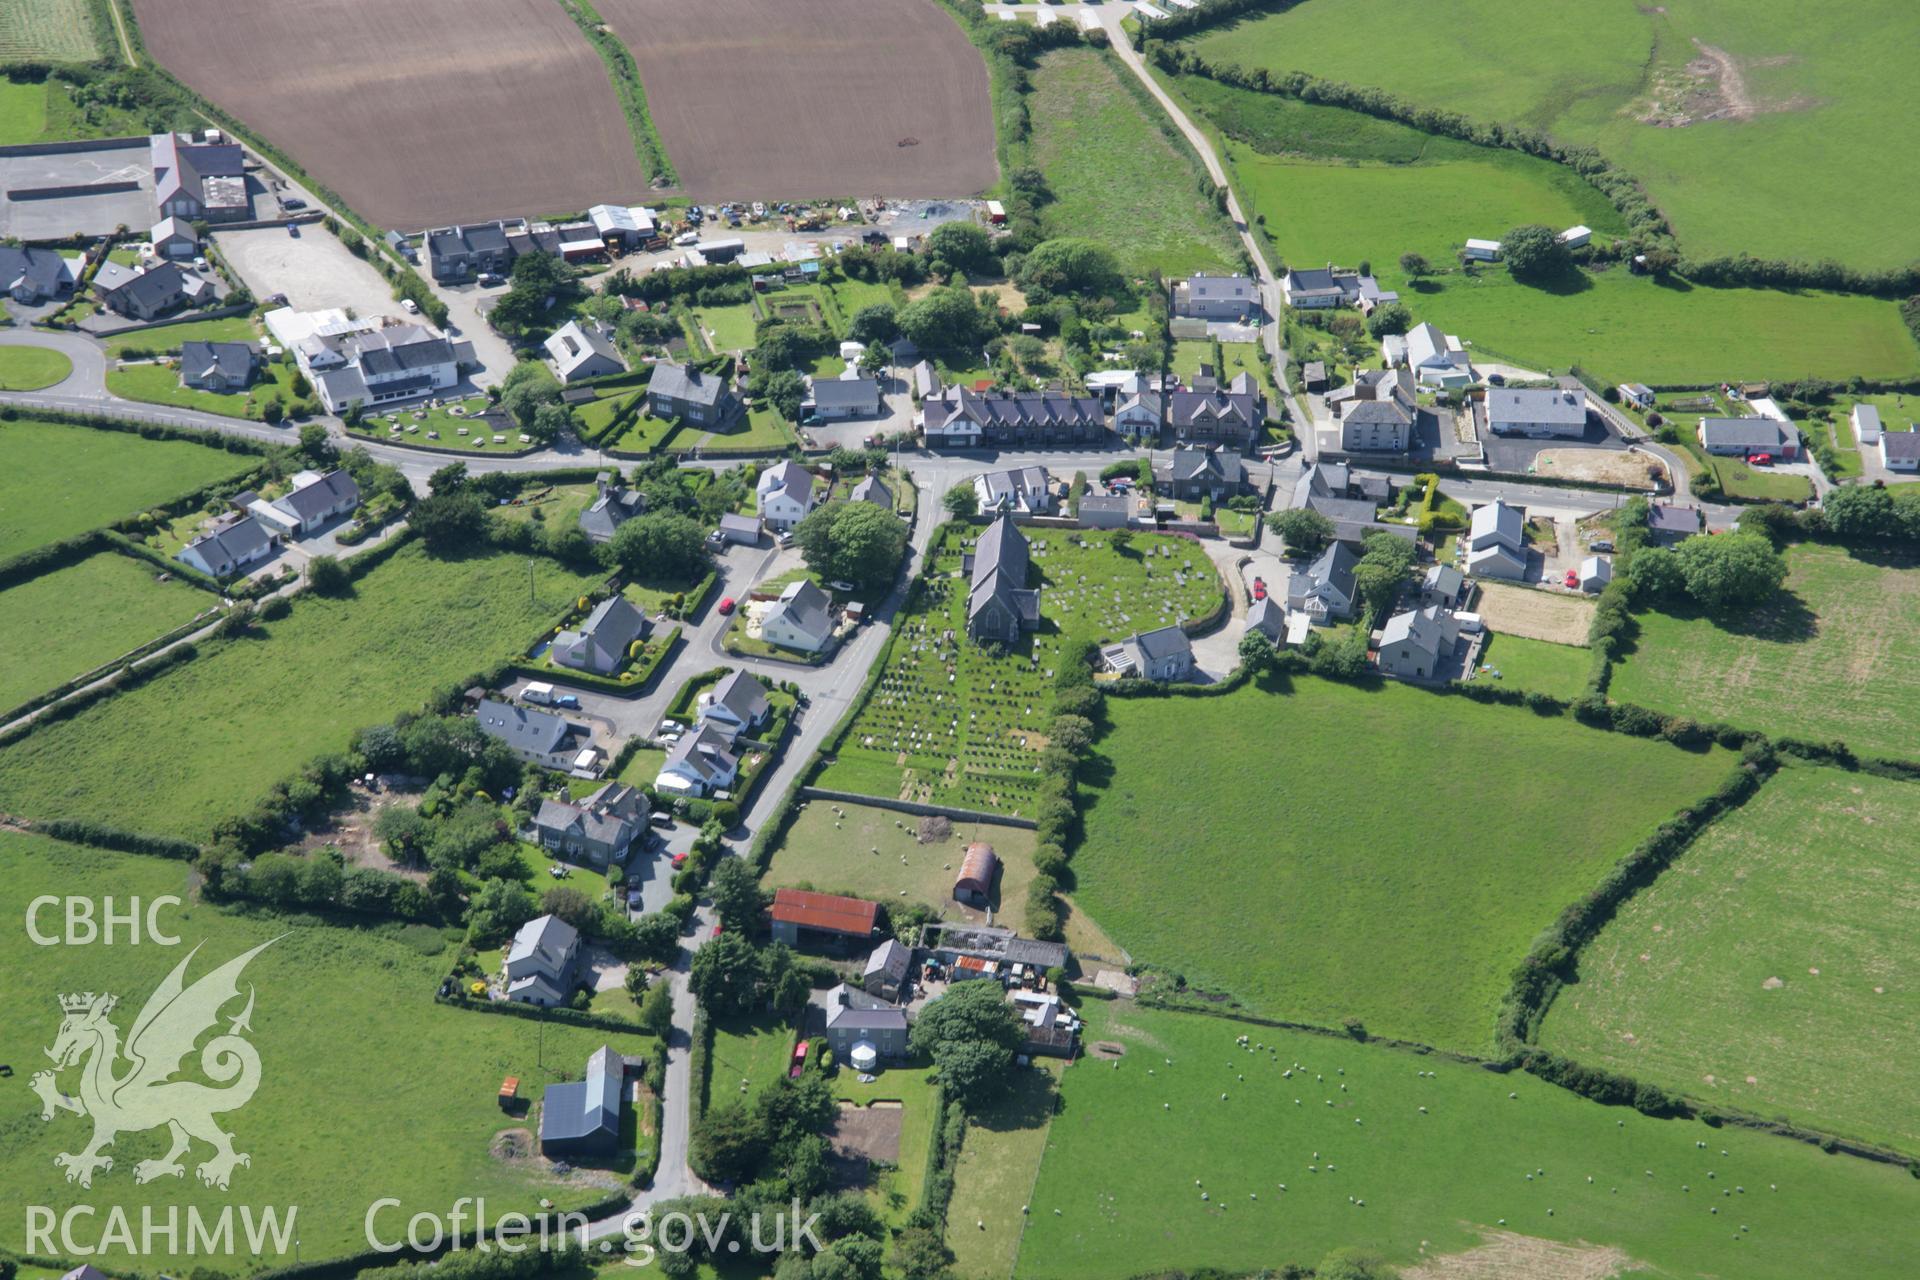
(613, 625)
(851, 1009)
(1237, 408)
(155, 287)
(788, 477)
(1665, 518)
(1421, 628)
(1000, 564)
(611, 509)
(1901, 444)
(743, 695)
(1744, 433)
(587, 1108)
(708, 750)
(523, 728)
(573, 345)
(846, 393)
(308, 502)
(43, 271)
(1497, 520)
(1548, 405)
(889, 959)
(232, 360)
(547, 939)
(805, 607)
(1001, 410)
(1268, 616)
(401, 349)
(1335, 568)
(239, 542)
(678, 382)
(1210, 288)
(872, 490)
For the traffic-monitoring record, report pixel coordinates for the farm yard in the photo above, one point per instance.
(829, 846)
(57, 481)
(1770, 968)
(1115, 176)
(911, 740)
(1738, 115)
(100, 608)
(770, 100)
(311, 983)
(1356, 796)
(47, 31)
(1194, 1151)
(318, 87)
(156, 760)
(1834, 655)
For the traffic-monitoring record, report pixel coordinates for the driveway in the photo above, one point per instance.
(467, 305)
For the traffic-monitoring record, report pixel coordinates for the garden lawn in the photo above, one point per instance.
(1537, 666)
(835, 855)
(896, 1192)
(167, 337)
(951, 724)
(748, 1055)
(1826, 105)
(1489, 1155)
(762, 428)
(1116, 177)
(97, 609)
(1467, 826)
(1770, 968)
(729, 328)
(339, 1020)
(644, 434)
(999, 1160)
(160, 384)
(23, 111)
(57, 481)
(207, 738)
(1837, 655)
(31, 368)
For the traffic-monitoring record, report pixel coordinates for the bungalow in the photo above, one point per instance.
(1437, 359)
(600, 829)
(1668, 525)
(1019, 490)
(1866, 424)
(174, 238)
(1162, 654)
(1745, 437)
(1207, 297)
(1537, 412)
(315, 499)
(677, 391)
(974, 885)
(1417, 644)
(217, 366)
(604, 641)
(1481, 251)
(836, 399)
(855, 1018)
(1327, 591)
(885, 974)
(1497, 541)
(1637, 394)
(1900, 450)
(801, 914)
(1000, 605)
(1595, 573)
(701, 763)
(1330, 286)
(542, 962)
(802, 618)
(538, 737)
(1191, 474)
(150, 293)
(613, 506)
(582, 351)
(582, 1118)
(31, 276)
(738, 704)
(786, 494)
(871, 489)
(230, 547)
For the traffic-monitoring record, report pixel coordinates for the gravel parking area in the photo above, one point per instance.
(313, 269)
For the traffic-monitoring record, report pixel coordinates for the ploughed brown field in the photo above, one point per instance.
(803, 99)
(418, 112)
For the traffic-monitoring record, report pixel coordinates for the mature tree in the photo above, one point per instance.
(1862, 511)
(873, 360)
(784, 389)
(1304, 531)
(551, 420)
(452, 522)
(1070, 266)
(945, 320)
(875, 322)
(315, 445)
(725, 977)
(1414, 265)
(656, 1007)
(1654, 575)
(536, 277)
(328, 576)
(1120, 540)
(1257, 653)
(1389, 317)
(920, 1254)
(962, 500)
(528, 388)
(571, 905)
(1382, 571)
(963, 247)
(660, 545)
(498, 908)
(971, 1033)
(855, 541)
(656, 936)
(403, 833)
(1532, 253)
(736, 894)
(728, 1143)
(1731, 570)
(854, 1258)
(451, 478)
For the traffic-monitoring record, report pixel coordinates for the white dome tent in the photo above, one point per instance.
(864, 1056)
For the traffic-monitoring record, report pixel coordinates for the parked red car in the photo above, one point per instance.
(679, 861)
(1760, 460)
(726, 604)
(1259, 588)
(799, 1061)
(1573, 579)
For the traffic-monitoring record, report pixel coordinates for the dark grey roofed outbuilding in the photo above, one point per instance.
(583, 1118)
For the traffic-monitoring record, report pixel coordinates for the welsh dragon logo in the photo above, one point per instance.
(144, 1095)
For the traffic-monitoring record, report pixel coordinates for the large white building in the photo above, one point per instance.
(352, 363)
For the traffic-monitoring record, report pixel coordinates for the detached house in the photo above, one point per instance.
(612, 507)
(601, 644)
(1537, 412)
(738, 704)
(1669, 526)
(1233, 417)
(150, 293)
(872, 490)
(701, 763)
(677, 391)
(1377, 412)
(538, 737)
(543, 962)
(314, 500)
(1000, 605)
(1191, 474)
(230, 548)
(1164, 654)
(600, 829)
(855, 1018)
(1497, 541)
(1746, 437)
(1020, 490)
(582, 351)
(786, 494)
(32, 276)
(217, 366)
(1437, 359)
(1329, 286)
(1417, 644)
(1206, 297)
(802, 618)
(1327, 591)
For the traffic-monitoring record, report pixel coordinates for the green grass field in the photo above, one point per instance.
(31, 368)
(168, 337)
(160, 384)
(1811, 108)
(1769, 968)
(99, 609)
(206, 738)
(999, 1161)
(23, 110)
(728, 328)
(1385, 854)
(949, 723)
(1835, 656)
(56, 481)
(1116, 178)
(835, 855)
(748, 1054)
(339, 1020)
(47, 31)
(1537, 666)
(1117, 1193)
